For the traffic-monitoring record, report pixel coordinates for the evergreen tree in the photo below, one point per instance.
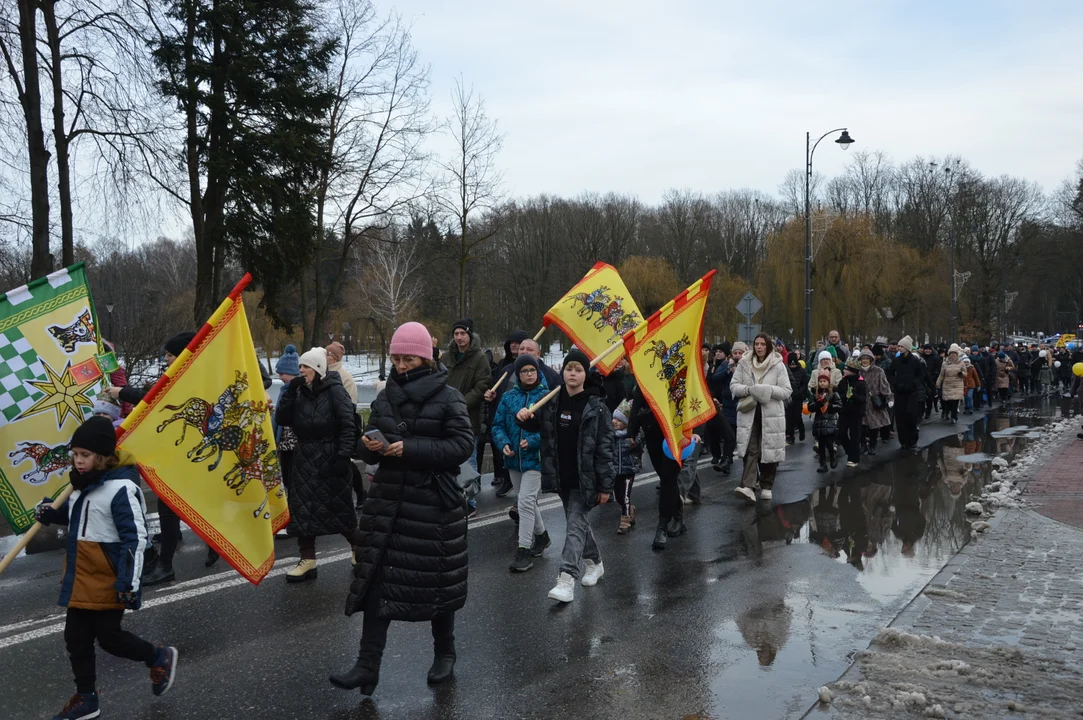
(248, 78)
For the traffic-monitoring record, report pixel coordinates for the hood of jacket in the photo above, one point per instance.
(516, 336)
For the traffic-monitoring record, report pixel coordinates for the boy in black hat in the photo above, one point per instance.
(577, 460)
(107, 534)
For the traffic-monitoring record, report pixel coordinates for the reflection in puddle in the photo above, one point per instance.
(901, 520)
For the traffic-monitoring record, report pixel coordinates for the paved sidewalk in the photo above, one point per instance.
(999, 632)
(1057, 490)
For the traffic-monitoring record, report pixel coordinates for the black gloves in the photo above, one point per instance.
(296, 383)
(42, 510)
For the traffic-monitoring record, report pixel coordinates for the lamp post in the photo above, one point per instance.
(844, 140)
(109, 309)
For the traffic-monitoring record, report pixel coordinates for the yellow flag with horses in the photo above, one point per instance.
(204, 442)
(596, 313)
(664, 353)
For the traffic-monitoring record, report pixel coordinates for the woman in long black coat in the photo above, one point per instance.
(319, 489)
(412, 560)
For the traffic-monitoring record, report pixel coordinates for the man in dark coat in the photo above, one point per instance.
(321, 414)
(933, 363)
(412, 563)
(719, 385)
(469, 373)
(907, 378)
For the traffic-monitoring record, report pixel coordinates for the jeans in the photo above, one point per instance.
(83, 627)
(579, 544)
(969, 399)
(528, 486)
(753, 466)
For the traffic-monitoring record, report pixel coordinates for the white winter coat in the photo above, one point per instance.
(771, 396)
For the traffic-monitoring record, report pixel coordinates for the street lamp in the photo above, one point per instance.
(844, 140)
(109, 309)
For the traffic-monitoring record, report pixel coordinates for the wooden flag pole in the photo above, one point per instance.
(553, 393)
(505, 375)
(29, 535)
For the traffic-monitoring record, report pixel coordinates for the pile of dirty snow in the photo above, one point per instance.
(1004, 490)
(918, 676)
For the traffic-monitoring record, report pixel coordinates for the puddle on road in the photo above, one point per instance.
(905, 518)
(893, 526)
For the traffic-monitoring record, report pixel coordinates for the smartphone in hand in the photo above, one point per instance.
(378, 437)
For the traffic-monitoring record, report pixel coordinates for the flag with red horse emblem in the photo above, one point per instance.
(596, 313)
(664, 353)
(203, 441)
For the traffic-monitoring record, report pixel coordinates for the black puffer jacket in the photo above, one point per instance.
(907, 376)
(596, 472)
(320, 497)
(410, 543)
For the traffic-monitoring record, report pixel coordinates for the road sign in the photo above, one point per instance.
(749, 305)
(747, 333)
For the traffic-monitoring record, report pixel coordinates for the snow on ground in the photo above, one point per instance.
(1004, 490)
(918, 676)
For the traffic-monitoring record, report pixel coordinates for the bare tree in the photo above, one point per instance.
(473, 183)
(389, 288)
(28, 90)
(376, 126)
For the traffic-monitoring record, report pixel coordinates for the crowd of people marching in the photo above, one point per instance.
(439, 410)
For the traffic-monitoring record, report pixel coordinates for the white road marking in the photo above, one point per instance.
(54, 624)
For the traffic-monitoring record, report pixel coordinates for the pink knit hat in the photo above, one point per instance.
(412, 339)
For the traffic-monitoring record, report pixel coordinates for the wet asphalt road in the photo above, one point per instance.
(743, 617)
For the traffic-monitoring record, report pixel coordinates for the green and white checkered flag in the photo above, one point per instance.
(50, 372)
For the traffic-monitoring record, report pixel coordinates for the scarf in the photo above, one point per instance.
(410, 375)
(759, 370)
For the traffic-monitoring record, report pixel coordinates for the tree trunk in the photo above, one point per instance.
(202, 308)
(60, 137)
(463, 259)
(41, 263)
(214, 200)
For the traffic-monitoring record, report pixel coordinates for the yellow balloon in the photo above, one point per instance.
(1077, 369)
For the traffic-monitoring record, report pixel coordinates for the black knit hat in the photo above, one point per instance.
(96, 435)
(577, 355)
(176, 344)
(523, 360)
(466, 324)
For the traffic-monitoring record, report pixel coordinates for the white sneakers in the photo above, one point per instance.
(765, 494)
(746, 494)
(564, 590)
(593, 573)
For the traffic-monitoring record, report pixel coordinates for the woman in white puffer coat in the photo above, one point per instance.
(762, 387)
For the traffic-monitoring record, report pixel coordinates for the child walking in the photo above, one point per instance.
(628, 460)
(825, 406)
(107, 533)
(577, 461)
(852, 391)
(522, 458)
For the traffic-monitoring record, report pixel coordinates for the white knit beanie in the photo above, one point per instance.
(316, 358)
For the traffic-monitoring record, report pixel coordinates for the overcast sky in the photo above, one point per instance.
(639, 96)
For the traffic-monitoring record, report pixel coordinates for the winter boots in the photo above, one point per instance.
(364, 675)
(303, 570)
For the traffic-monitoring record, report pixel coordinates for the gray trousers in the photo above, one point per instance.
(527, 487)
(579, 544)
